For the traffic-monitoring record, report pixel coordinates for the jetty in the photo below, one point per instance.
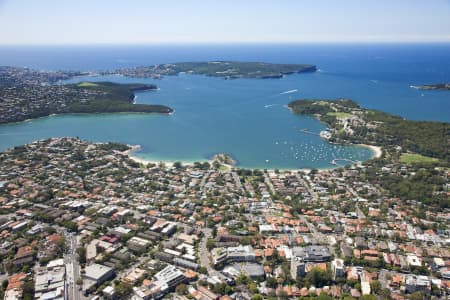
(306, 130)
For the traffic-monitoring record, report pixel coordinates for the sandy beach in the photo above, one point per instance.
(376, 150)
(134, 148)
(147, 161)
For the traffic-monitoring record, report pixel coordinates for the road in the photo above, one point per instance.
(203, 250)
(269, 183)
(237, 181)
(360, 213)
(72, 268)
(307, 185)
(204, 254)
(319, 237)
(203, 181)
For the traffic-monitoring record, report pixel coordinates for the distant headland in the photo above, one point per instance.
(436, 86)
(223, 69)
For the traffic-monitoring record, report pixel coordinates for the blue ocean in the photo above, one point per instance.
(245, 118)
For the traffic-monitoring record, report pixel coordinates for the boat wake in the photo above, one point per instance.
(414, 87)
(289, 92)
(269, 105)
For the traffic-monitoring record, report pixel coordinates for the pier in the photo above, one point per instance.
(306, 130)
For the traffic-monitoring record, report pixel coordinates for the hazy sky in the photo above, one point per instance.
(207, 21)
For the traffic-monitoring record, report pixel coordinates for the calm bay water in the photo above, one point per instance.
(245, 118)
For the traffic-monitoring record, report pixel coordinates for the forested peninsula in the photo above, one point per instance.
(28, 101)
(349, 123)
(222, 69)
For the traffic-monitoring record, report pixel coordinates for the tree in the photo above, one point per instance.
(72, 226)
(4, 284)
(28, 290)
(123, 290)
(181, 289)
(324, 296)
(271, 282)
(210, 243)
(257, 297)
(252, 287)
(385, 293)
(242, 279)
(368, 297)
(81, 251)
(318, 277)
(375, 286)
(416, 296)
(222, 288)
(246, 240)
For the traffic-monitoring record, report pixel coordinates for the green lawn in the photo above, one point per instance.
(409, 158)
(324, 103)
(87, 84)
(339, 115)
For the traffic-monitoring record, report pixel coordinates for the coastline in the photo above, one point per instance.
(145, 162)
(167, 163)
(377, 150)
(377, 153)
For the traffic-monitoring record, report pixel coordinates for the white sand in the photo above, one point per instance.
(376, 150)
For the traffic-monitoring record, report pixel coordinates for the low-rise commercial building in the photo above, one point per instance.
(95, 275)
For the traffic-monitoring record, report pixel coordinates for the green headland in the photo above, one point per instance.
(224, 69)
(349, 123)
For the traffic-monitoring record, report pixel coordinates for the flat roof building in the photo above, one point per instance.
(253, 270)
(95, 275)
(313, 253)
(49, 282)
(240, 253)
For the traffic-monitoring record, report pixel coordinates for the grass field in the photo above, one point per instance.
(87, 84)
(409, 158)
(339, 115)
